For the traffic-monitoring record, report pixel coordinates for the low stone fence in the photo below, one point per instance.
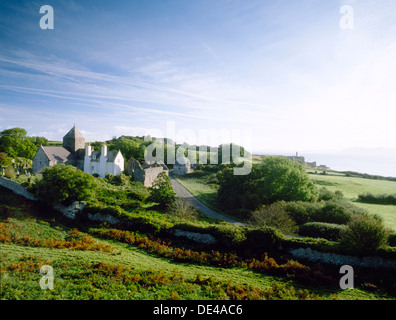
(339, 259)
(16, 188)
(302, 253)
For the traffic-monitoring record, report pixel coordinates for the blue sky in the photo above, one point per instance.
(280, 75)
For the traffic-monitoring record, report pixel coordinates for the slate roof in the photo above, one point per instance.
(58, 154)
(111, 155)
(73, 133)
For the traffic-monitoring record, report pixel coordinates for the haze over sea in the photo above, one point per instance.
(371, 161)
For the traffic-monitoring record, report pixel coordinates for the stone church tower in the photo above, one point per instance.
(74, 140)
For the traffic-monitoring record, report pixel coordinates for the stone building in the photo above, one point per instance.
(73, 152)
(182, 166)
(145, 173)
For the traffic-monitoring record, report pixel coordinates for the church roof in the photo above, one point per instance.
(73, 133)
(58, 154)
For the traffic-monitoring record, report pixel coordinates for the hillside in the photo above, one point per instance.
(89, 267)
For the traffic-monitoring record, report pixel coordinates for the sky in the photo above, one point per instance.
(275, 76)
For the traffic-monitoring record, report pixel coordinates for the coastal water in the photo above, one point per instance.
(375, 164)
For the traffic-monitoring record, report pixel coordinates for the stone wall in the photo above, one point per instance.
(302, 253)
(339, 259)
(16, 188)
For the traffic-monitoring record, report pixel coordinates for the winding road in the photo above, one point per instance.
(183, 193)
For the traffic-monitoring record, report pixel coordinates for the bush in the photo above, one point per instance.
(63, 184)
(9, 173)
(274, 215)
(260, 240)
(114, 211)
(332, 212)
(392, 240)
(180, 209)
(364, 232)
(378, 199)
(161, 191)
(329, 231)
(326, 195)
(118, 180)
(5, 211)
(228, 236)
(301, 211)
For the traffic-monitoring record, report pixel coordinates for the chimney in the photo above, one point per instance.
(104, 151)
(88, 150)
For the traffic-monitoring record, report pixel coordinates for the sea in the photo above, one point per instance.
(373, 162)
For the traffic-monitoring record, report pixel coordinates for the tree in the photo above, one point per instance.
(15, 143)
(278, 178)
(162, 191)
(4, 159)
(64, 184)
(274, 179)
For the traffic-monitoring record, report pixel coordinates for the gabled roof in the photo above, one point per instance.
(111, 155)
(58, 154)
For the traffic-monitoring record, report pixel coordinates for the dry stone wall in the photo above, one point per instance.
(16, 188)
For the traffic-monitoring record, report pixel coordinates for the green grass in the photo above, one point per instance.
(125, 271)
(351, 187)
(203, 186)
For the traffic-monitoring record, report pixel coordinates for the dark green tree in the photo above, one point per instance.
(64, 184)
(16, 143)
(162, 191)
(272, 180)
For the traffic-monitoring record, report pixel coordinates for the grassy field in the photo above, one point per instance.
(86, 267)
(203, 187)
(351, 187)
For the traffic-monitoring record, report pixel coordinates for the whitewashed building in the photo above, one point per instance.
(103, 161)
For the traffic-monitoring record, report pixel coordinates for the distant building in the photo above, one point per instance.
(74, 153)
(145, 173)
(182, 166)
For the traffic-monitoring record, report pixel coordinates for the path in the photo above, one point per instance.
(183, 193)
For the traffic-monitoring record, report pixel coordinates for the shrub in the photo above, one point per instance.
(378, 199)
(332, 212)
(326, 195)
(9, 173)
(114, 211)
(118, 180)
(392, 240)
(64, 184)
(329, 231)
(161, 191)
(301, 211)
(182, 210)
(274, 215)
(228, 236)
(5, 211)
(265, 238)
(364, 232)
